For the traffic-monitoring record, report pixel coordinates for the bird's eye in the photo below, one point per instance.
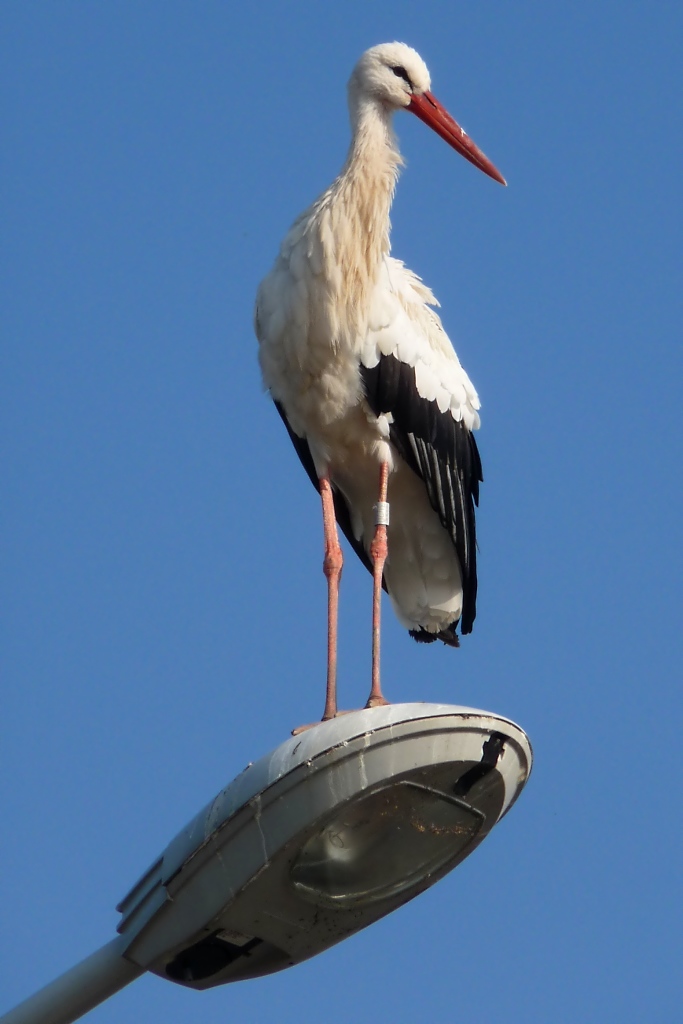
(401, 72)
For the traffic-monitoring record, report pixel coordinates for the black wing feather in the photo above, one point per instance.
(443, 453)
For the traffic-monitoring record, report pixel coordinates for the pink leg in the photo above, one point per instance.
(378, 552)
(332, 567)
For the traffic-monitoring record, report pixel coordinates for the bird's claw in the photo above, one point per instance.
(377, 702)
(311, 725)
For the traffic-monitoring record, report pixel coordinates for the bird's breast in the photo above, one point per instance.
(309, 355)
(317, 389)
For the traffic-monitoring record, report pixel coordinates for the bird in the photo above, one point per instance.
(369, 387)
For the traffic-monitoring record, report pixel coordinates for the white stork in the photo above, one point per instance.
(367, 382)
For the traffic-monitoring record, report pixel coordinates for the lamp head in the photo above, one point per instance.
(331, 831)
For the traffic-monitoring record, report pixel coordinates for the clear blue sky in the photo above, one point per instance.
(163, 603)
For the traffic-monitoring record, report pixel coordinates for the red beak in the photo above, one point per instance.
(429, 110)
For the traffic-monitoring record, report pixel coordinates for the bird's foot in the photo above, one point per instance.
(377, 702)
(311, 725)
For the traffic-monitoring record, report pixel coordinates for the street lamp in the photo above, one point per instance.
(331, 831)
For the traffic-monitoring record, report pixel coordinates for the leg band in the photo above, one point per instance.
(381, 510)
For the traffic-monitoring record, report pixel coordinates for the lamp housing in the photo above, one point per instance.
(333, 830)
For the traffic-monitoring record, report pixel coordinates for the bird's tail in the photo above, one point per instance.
(448, 636)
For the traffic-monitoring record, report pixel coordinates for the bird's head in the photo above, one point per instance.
(391, 74)
(395, 77)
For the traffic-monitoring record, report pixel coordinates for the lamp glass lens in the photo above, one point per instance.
(382, 844)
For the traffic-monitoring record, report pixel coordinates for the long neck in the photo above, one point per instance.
(364, 190)
(352, 216)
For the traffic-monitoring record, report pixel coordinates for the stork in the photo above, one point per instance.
(368, 385)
